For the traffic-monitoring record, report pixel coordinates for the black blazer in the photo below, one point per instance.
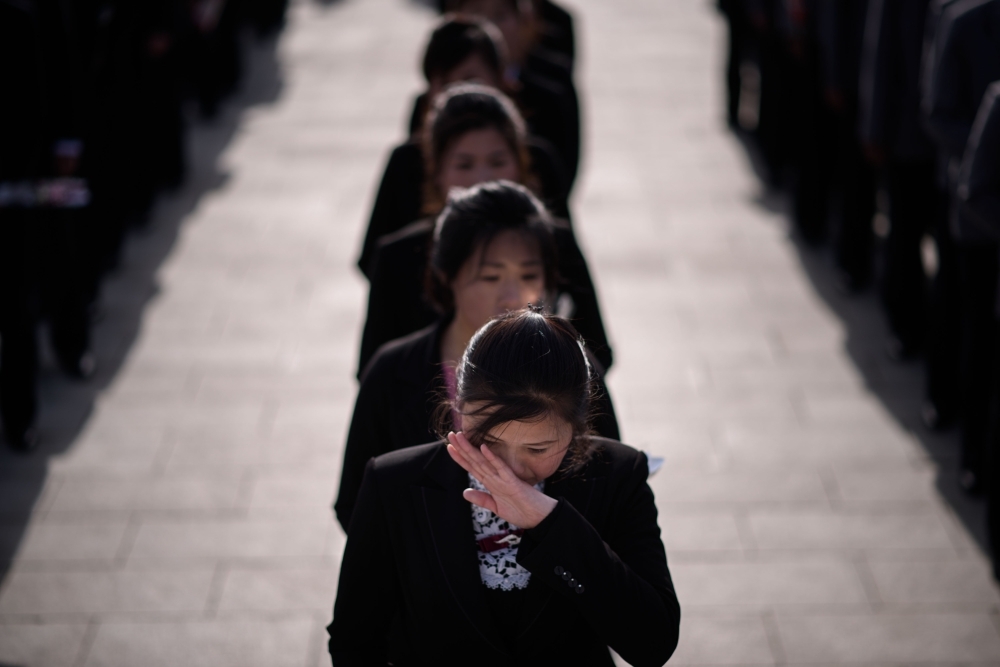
(410, 591)
(397, 304)
(397, 400)
(400, 197)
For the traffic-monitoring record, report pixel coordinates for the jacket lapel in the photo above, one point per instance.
(450, 540)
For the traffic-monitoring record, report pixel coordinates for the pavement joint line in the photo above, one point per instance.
(129, 536)
(161, 460)
(216, 589)
(773, 633)
(87, 642)
(868, 583)
(828, 478)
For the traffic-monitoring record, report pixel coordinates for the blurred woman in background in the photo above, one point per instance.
(473, 135)
(494, 251)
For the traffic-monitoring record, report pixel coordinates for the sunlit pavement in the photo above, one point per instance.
(178, 512)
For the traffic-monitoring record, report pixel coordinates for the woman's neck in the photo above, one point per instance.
(454, 341)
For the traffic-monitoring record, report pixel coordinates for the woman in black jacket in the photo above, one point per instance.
(474, 134)
(460, 49)
(494, 251)
(523, 541)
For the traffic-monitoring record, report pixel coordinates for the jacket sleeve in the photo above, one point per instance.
(945, 119)
(383, 305)
(873, 85)
(365, 440)
(397, 202)
(577, 282)
(622, 585)
(367, 592)
(979, 182)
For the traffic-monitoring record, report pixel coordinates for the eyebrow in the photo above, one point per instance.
(491, 439)
(530, 262)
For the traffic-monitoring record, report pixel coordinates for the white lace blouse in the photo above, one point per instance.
(498, 569)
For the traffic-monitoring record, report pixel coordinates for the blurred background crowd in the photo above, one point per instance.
(96, 97)
(880, 120)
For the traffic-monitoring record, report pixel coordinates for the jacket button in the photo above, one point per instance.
(579, 588)
(566, 576)
(559, 570)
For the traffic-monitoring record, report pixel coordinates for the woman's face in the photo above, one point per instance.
(533, 450)
(506, 17)
(471, 70)
(476, 157)
(508, 274)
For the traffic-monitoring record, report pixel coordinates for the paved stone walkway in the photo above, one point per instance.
(178, 512)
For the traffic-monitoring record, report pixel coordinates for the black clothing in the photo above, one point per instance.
(397, 400)
(738, 36)
(397, 305)
(890, 120)
(400, 197)
(979, 179)
(410, 591)
(557, 33)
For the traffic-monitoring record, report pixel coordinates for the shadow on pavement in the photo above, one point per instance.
(66, 405)
(899, 386)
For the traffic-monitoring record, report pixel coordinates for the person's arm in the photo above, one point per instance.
(605, 419)
(873, 84)
(368, 591)
(946, 124)
(586, 316)
(366, 438)
(620, 584)
(397, 202)
(979, 181)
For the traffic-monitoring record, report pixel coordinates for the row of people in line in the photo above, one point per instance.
(489, 507)
(898, 95)
(91, 128)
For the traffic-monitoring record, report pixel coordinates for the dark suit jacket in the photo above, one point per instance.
(968, 39)
(889, 90)
(400, 197)
(557, 33)
(410, 590)
(397, 305)
(979, 181)
(397, 400)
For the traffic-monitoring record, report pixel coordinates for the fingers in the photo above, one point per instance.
(480, 499)
(474, 462)
(457, 457)
(500, 468)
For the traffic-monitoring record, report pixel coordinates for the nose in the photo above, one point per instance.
(510, 295)
(484, 173)
(515, 464)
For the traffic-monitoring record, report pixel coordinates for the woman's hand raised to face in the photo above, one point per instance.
(509, 497)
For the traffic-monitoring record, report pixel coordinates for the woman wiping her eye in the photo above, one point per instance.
(522, 540)
(493, 251)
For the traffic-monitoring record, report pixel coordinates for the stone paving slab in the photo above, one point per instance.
(178, 511)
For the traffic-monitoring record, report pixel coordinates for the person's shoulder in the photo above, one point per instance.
(405, 153)
(394, 357)
(613, 457)
(406, 465)
(405, 238)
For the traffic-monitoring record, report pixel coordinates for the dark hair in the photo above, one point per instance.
(471, 220)
(517, 5)
(457, 38)
(523, 366)
(464, 108)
